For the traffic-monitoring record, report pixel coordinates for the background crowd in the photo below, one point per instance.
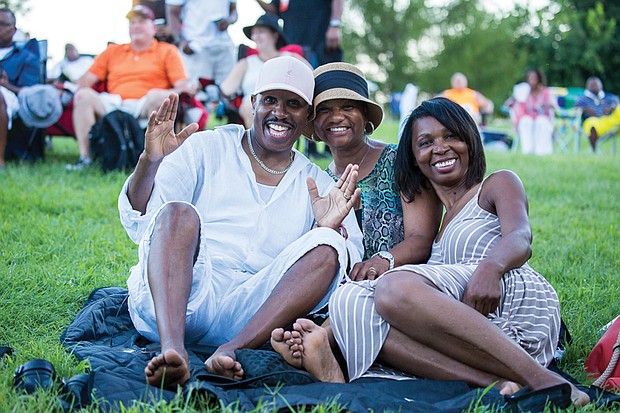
(441, 163)
(313, 31)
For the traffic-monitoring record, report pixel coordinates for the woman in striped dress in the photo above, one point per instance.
(477, 311)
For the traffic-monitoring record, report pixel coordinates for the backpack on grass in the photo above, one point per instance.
(603, 362)
(117, 141)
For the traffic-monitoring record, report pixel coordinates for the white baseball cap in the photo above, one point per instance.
(286, 73)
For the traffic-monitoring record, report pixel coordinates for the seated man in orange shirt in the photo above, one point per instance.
(138, 75)
(471, 100)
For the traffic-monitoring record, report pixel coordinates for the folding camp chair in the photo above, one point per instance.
(567, 133)
(23, 142)
(611, 136)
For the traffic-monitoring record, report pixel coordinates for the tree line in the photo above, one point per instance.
(403, 41)
(410, 43)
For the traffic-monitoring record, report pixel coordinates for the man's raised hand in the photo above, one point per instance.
(160, 139)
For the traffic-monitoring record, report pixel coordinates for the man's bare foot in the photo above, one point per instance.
(281, 341)
(168, 369)
(317, 356)
(224, 363)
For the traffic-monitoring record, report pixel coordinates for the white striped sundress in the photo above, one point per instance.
(529, 309)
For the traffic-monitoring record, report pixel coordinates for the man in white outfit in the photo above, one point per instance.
(238, 233)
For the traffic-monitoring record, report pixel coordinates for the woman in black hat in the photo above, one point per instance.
(270, 40)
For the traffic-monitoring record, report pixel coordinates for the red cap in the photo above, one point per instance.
(142, 10)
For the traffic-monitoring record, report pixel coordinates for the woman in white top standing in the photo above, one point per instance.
(270, 40)
(533, 107)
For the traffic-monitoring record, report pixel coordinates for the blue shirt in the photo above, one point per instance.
(597, 103)
(22, 67)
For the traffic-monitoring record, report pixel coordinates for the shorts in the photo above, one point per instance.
(115, 102)
(213, 63)
(221, 300)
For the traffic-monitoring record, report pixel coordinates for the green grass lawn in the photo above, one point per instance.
(61, 238)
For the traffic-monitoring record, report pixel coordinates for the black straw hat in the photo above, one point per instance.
(271, 21)
(341, 80)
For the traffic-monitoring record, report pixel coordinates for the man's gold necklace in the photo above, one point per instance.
(262, 164)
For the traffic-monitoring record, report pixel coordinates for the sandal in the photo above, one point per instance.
(76, 392)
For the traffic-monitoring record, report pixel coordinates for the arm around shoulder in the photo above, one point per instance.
(421, 219)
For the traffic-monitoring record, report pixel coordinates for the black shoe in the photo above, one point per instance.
(76, 392)
(5, 351)
(34, 374)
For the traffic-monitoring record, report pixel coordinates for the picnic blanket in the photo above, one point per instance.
(103, 334)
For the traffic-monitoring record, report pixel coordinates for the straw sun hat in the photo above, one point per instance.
(342, 81)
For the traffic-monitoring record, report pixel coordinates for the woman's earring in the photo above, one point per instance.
(312, 137)
(372, 128)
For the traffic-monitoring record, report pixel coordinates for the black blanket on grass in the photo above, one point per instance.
(103, 334)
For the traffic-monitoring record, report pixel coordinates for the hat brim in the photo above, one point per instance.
(26, 113)
(282, 39)
(137, 13)
(282, 86)
(375, 111)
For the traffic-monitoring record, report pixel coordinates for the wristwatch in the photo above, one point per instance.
(387, 256)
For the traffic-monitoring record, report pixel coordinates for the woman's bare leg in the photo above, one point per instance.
(414, 358)
(413, 305)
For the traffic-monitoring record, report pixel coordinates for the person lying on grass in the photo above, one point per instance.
(476, 311)
(238, 233)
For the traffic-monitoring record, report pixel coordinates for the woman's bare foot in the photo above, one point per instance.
(507, 387)
(168, 369)
(224, 363)
(281, 341)
(317, 356)
(578, 397)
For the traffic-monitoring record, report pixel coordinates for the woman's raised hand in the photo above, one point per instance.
(330, 210)
(160, 139)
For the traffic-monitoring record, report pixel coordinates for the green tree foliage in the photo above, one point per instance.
(381, 34)
(579, 38)
(399, 41)
(426, 45)
(479, 44)
(15, 5)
